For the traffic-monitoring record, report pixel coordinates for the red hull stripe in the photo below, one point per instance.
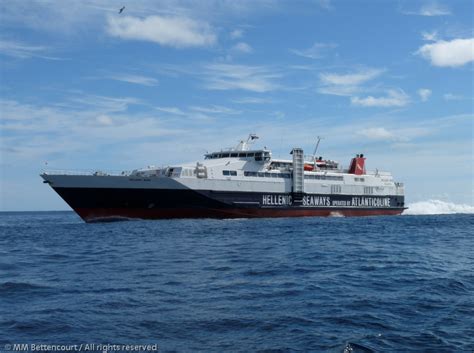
(103, 214)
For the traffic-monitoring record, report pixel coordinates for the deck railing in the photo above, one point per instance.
(86, 172)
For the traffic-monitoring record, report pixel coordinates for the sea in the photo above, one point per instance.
(372, 284)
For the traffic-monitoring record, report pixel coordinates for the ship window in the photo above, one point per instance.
(368, 190)
(242, 154)
(250, 154)
(225, 155)
(261, 174)
(252, 174)
(233, 154)
(233, 173)
(226, 172)
(258, 156)
(336, 189)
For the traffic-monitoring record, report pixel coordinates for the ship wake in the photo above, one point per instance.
(432, 207)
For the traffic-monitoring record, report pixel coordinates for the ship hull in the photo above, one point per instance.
(108, 204)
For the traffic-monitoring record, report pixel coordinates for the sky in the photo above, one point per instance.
(84, 87)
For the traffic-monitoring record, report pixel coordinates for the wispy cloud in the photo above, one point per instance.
(171, 110)
(105, 120)
(236, 34)
(430, 36)
(215, 109)
(346, 84)
(136, 79)
(454, 53)
(252, 100)
(316, 51)
(24, 51)
(230, 76)
(102, 104)
(430, 10)
(242, 47)
(178, 32)
(325, 4)
(376, 133)
(454, 97)
(394, 134)
(74, 125)
(352, 79)
(424, 94)
(394, 98)
(434, 9)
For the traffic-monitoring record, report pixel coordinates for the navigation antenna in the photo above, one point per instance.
(244, 145)
(316, 148)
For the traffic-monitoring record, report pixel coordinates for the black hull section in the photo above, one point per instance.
(101, 204)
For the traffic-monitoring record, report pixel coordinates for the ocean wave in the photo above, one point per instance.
(437, 207)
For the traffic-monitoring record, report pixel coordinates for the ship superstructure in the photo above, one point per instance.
(238, 182)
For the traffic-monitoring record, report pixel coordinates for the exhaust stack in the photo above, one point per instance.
(357, 165)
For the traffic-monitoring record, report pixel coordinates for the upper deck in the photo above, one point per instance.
(245, 167)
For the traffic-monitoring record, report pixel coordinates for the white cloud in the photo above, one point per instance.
(242, 47)
(398, 136)
(434, 10)
(23, 51)
(454, 53)
(453, 97)
(178, 32)
(104, 120)
(316, 51)
(325, 4)
(430, 36)
(394, 98)
(215, 109)
(424, 94)
(349, 79)
(252, 100)
(376, 133)
(171, 110)
(250, 78)
(236, 34)
(102, 104)
(429, 10)
(136, 79)
(339, 90)
(346, 84)
(73, 17)
(278, 114)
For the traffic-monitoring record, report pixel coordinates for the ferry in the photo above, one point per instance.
(239, 182)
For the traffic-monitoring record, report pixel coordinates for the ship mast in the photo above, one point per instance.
(244, 145)
(316, 149)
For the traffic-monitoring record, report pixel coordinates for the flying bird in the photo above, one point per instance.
(121, 10)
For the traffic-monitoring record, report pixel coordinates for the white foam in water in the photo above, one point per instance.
(437, 207)
(335, 214)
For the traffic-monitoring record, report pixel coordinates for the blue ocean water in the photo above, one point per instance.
(384, 284)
